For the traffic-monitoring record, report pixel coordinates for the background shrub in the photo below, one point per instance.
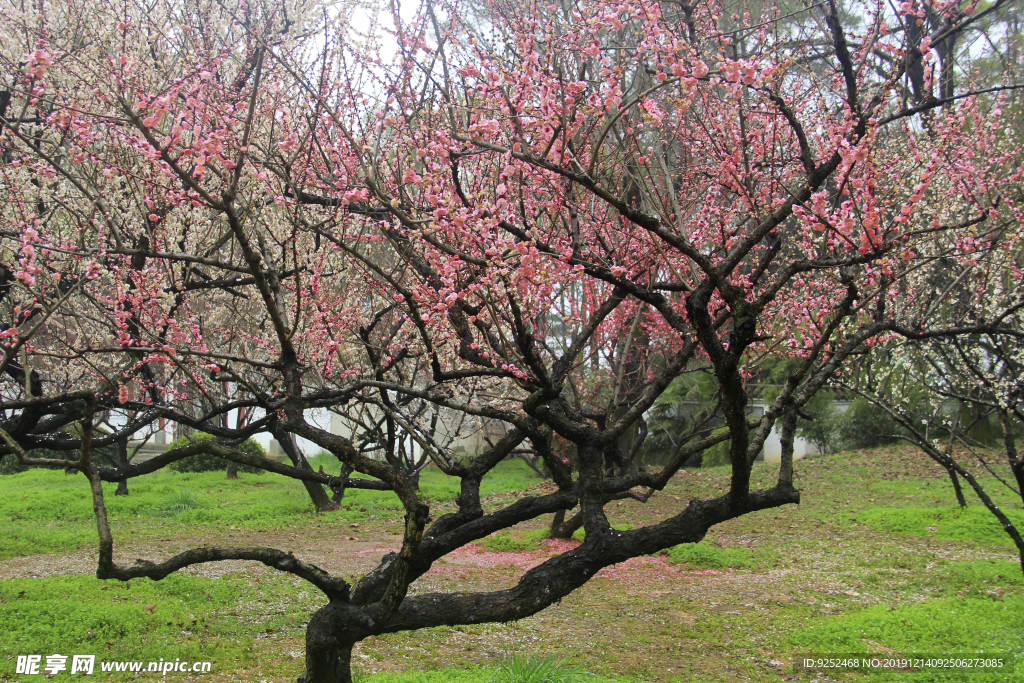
(865, 425)
(206, 462)
(10, 465)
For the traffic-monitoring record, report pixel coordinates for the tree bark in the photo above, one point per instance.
(330, 636)
(961, 501)
(339, 491)
(239, 423)
(321, 501)
(560, 528)
(786, 440)
(329, 663)
(695, 461)
(122, 462)
(1014, 460)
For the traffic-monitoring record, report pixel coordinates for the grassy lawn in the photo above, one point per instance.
(49, 511)
(876, 559)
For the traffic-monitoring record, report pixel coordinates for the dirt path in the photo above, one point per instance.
(336, 555)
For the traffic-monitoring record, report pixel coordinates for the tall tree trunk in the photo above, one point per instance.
(122, 462)
(1013, 458)
(321, 501)
(239, 423)
(339, 490)
(961, 501)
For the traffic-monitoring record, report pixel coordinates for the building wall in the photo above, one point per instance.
(772, 451)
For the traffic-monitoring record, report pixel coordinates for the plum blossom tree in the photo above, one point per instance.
(536, 214)
(946, 393)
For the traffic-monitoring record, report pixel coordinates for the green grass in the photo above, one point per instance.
(862, 571)
(182, 616)
(965, 577)
(122, 620)
(49, 511)
(473, 675)
(953, 625)
(181, 502)
(438, 676)
(30, 538)
(505, 543)
(974, 523)
(522, 668)
(704, 556)
(508, 477)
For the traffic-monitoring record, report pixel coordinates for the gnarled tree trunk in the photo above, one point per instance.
(328, 650)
